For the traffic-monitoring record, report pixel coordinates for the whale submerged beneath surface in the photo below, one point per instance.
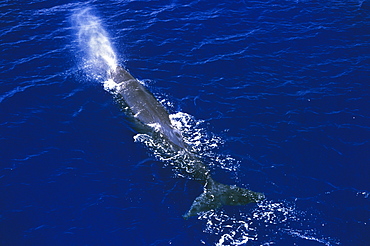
(152, 118)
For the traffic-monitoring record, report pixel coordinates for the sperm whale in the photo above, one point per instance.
(143, 108)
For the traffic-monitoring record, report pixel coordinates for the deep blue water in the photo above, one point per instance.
(274, 95)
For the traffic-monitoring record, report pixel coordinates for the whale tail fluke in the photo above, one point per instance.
(216, 195)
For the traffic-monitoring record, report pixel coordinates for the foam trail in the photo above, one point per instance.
(94, 42)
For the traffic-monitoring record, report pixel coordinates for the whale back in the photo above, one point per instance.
(144, 106)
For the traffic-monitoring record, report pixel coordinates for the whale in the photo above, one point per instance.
(151, 117)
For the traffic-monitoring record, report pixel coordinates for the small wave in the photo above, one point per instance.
(194, 133)
(13, 92)
(202, 142)
(269, 217)
(55, 9)
(231, 230)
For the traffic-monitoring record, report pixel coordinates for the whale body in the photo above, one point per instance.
(145, 110)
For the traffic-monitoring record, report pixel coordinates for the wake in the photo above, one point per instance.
(98, 53)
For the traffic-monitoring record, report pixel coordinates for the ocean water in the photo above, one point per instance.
(274, 95)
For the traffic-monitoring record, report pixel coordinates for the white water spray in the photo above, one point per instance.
(99, 56)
